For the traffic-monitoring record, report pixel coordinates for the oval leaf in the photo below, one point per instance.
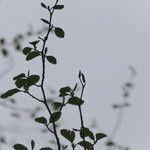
(75, 101)
(10, 93)
(20, 147)
(26, 50)
(55, 117)
(69, 135)
(32, 80)
(21, 82)
(32, 144)
(21, 75)
(32, 55)
(86, 144)
(58, 7)
(45, 21)
(51, 59)
(46, 148)
(59, 32)
(41, 120)
(43, 5)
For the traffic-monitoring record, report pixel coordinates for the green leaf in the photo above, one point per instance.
(21, 75)
(100, 136)
(32, 144)
(75, 101)
(26, 50)
(51, 59)
(10, 93)
(56, 116)
(46, 148)
(43, 5)
(34, 43)
(32, 80)
(20, 147)
(86, 133)
(32, 55)
(69, 135)
(87, 145)
(58, 7)
(45, 21)
(57, 105)
(41, 120)
(59, 32)
(65, 89)
(21, 82)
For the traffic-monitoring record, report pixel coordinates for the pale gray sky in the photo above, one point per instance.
(102, 38)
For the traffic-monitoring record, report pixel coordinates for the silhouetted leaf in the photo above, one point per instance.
(55, 116)
(34, 43)
(87, 145)
(21, 75)
(87, 133)
(45, 21)
(4, 52)
(65, 89)
(43, 5)
(100, 136)
(10, 93)
(57, 105)
(46, 148)
(32, 144)
(58, 7)
(21, 82)
(33, 79)
(75, 101)
(32, 55)
(59, 32)
(83, 78)
(69, 135)
(26, 50)
(51, 59)
(20, 147)
(41, 120)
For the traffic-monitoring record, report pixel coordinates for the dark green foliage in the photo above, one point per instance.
(59, 32)
(41, 120)
(99, 136)
(45, 21)
(20, 147)
(32, 55)
(43, 5)
(32, 80)
(87, 133)
(34, 43)
(86, 144)
(57, 105)
(58, 7)
(55, 117)
(21, 75)
(26, 50)
(69, 135)
(64, 91)
(46, 148)
(21, 82)
(51, 59)
(32, 144)
(75, 101)
(10, 93)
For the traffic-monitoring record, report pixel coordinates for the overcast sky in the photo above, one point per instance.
(102, 37)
